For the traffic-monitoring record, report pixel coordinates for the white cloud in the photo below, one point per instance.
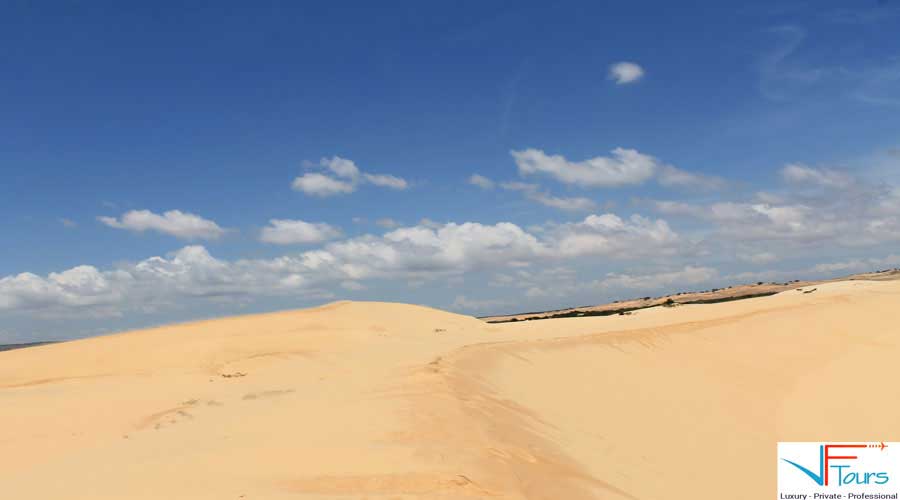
(388, 181)
(625, 72)
(156, 282)
(610, 235)
(625, 167)
(79, 286)
(532, 192)
(173, 222)
(801, 174)
(817, 209)
(481, 181)
(349, 177)
(762, 221)
(317, 184)
(341, 167)
(291, 232)
(415, 254)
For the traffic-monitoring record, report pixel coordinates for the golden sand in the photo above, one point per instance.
(392, 401)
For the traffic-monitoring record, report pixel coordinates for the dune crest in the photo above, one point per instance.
(393, 401)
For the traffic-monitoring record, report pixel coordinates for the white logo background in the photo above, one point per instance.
(793, 481)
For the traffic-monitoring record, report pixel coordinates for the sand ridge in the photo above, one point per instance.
(392, 401)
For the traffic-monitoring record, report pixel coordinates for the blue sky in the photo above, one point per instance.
(622, 150)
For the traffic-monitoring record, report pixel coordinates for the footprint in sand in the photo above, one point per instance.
(166, 418)
(172, 416)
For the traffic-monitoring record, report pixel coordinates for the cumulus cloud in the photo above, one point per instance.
(610, 235)
(153, 283)
(292, 232)
(78, 286)
(176, 223)
(481, 181)
(415, 254)
(341, 167)
(625, 72)
(347, 178)
(316, 184)
(533, 193)
(623, 168)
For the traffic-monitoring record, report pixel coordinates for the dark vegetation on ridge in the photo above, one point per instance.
(10, 347)
(576, 313)
(713, 296)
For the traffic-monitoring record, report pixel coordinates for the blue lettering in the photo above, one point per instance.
(840, 473)
(848, 477)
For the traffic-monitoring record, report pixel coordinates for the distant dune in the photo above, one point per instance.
(391, 401)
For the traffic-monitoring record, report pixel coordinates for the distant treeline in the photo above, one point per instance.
(10, 347)
(575, 313)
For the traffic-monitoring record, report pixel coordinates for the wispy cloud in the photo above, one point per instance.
(481, 181)
(780, 74)
(533, 193)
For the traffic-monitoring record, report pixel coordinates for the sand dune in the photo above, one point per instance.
(392, 401)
